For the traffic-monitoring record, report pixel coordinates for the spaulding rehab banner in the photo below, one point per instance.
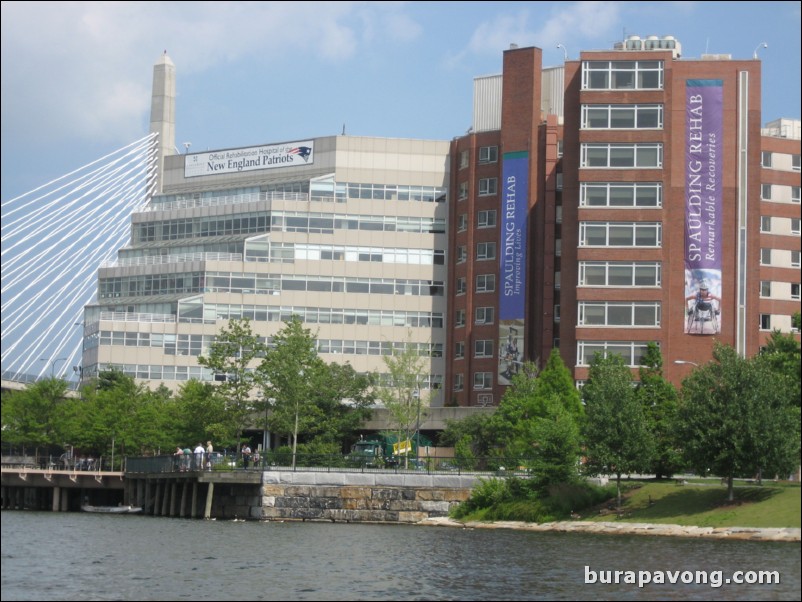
(703, 205)
(512, 302)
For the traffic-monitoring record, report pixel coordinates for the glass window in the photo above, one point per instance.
(766, 158)
(485, 315)
(488, 154)
(488, 186)
(486, 219)
(622, 75)
(483, 348)
(482, 380)
(485, 283)
(459, 318)
(485, 251)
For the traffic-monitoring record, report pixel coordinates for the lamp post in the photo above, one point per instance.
(759, 46)
(416, 397)
(682, 362)
(53, 364)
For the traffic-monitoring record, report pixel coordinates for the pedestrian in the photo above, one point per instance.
(187, 459)
(256, 459)
(179, 458)
(246, 456)
(199, 451)
(209, 450)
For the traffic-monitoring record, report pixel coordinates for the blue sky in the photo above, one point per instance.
(76, 76)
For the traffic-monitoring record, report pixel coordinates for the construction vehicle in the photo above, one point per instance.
(385, 450)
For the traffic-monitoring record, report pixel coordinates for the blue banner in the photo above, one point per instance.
(512, 269)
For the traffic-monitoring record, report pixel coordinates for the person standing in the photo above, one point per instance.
(209, 450)
(199, 451)
(246, 456)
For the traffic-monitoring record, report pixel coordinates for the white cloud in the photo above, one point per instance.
(76, 69)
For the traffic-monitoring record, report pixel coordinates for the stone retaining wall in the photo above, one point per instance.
(361, 497)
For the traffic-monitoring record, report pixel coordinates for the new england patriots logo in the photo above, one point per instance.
(301, 151)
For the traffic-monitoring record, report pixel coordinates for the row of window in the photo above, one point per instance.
(608, 155)
(211, 312)
(249, 283)
(777, 193)
(484, 219)
(487, 154)
(262, 222)
(779, 258)
(482, 316)
(779, 290)
(620, 234)
(290, 252)
(485, 283)
(781, 161)
(627, 117)
(622, 75)
(481, 349)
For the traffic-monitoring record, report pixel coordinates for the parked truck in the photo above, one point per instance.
(386, 450)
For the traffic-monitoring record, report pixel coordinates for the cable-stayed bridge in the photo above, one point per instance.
(54, 238)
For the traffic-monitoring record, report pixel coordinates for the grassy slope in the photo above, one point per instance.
(705, 505)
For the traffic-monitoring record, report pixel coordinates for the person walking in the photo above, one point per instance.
(246, 456)
(209, 450)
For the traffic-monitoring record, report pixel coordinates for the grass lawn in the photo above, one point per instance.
(705, 505)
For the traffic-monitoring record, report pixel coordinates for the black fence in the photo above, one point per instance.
(283, 460)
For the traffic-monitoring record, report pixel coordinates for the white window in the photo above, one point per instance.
(461, 287)
(622, 117)
(620, 273)
(765, 256)
(485, 251)
(482, 380)
(631, 351)
(462, 222)
(463, 191)
(765, 192)
(765, 223)
(459, 382)
(766, 159)
(488, 186)
(794, 259)
(644, 314)
(644, 155)
(483, 348)
(765, 288)
(485, 315)
(486, 219)
(462, 254)
(620, 234)
(795, 291)
(622, 75)
(795, 226)
(765, 321)
(459, 318)
(459, 350)
(621, 194)
(485, 283)
(557, 312)
(464, 159)
(795, 194)
(795, 162)
(488, 154)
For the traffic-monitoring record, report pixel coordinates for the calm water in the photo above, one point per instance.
(74, 556)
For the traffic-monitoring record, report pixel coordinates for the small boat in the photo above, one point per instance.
(112, 509)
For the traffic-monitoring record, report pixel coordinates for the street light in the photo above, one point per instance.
(53, 364)
(416, 397)
(681, 362)
(759, 46)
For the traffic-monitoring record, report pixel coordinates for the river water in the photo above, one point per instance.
(74, 556)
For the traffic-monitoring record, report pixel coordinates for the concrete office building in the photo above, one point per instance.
(650, 207)
(347, 232)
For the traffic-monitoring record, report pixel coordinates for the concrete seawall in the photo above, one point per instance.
(360, 497)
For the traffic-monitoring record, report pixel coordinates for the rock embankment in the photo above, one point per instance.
(624, 528)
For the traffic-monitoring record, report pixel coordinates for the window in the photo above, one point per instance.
(485, 283)
(765, 256)
(643, 155)
(485, 251)
(463, 191)
(620, 194)
(464, 159)
(765, 321)
(557, 312)
(795, 226)
(795, 291)
(765, 223)
(622, 116)
(461, 287)
(766, 157)
(482, 380)
(459, 382)
(620, 234)
(794, 259)
(622, 75)
(620, 273)
(765, 288)
(631, 351)
(462, 222)
(488, 154)
(795, 162)
(483, 348)
(795, 194)
(459, 350)
(619, 313)
(488, 186)
(765, 192)
(486, 219)
(462, 254)
(459, 318)
(485, 315)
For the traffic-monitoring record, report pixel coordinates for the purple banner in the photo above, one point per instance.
(703, 205)
(512, 302)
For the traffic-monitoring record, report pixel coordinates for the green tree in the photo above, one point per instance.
(660, 402)
(737, 418)
(231, 357)
(556, 445)
(473, 436)
(616, 438)
(402, 395)
(782, 353)
(200, 415)
(31, 416)
(292, 375)
(556, 379)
